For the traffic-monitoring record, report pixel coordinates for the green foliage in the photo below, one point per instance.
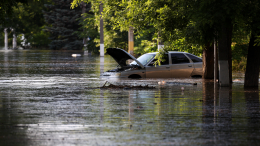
(1, 38)
(239, 50)
(184, 25)
(6, 9)
(239, 57)
(148, 18)
(39, 40)
(63, 23)
(239, 65)
(145, 46)
(90, 32)
(142, 15)
(145, 41)
(27, 20)
(178, 42)
(112, 38)
(160, 56)
(257, 43)
(115, 37)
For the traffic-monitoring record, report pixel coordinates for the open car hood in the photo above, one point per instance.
(121, 56)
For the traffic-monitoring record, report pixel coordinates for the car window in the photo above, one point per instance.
(165, 60)
(144, 59)
(194, 58)
(178, 58)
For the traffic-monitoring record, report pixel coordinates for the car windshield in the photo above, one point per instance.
(144, 59)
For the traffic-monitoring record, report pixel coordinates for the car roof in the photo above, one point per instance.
(168, 51)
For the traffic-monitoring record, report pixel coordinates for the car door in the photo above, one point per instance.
(197, 62)
(181, 66)
(159, 71)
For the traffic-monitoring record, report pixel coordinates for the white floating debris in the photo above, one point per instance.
(237, 80)
(161, 82)
(76, 55)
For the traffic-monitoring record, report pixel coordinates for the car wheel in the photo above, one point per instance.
(134, 76)
(196, 76)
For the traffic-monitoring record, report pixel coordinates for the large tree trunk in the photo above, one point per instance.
(208, 62)
(224, 52)
(253, 63)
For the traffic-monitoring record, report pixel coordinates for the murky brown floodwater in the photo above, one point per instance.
(49, 98)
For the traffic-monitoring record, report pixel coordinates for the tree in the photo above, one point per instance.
(198, 21)
(6, 8)
(141, 15)
(168, 17)
(253, 63)
(229, 16)
(27, 21)
(90, 32)
(64, 23)
(215, 19)
(250, 15)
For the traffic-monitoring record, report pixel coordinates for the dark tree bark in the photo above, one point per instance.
(208, 62)
(253, 63)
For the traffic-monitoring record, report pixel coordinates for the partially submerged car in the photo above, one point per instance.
(174, 65)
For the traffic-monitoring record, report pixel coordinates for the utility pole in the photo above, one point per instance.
(215, 61)
(131, 40)
(101, 31)
(224, 45)
(223, 69)
(6, 39)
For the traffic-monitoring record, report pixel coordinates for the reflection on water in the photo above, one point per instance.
(217, 115)
(48, 98)
(253, 118)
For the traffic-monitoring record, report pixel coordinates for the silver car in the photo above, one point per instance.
(175, 65)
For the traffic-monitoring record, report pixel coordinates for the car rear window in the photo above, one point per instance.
(179, 58)
(194, 58)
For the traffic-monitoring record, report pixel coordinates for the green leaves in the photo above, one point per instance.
(7, 6)
(63, 23)
(160, 56)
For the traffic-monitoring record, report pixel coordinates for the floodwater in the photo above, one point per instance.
(52, 98)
